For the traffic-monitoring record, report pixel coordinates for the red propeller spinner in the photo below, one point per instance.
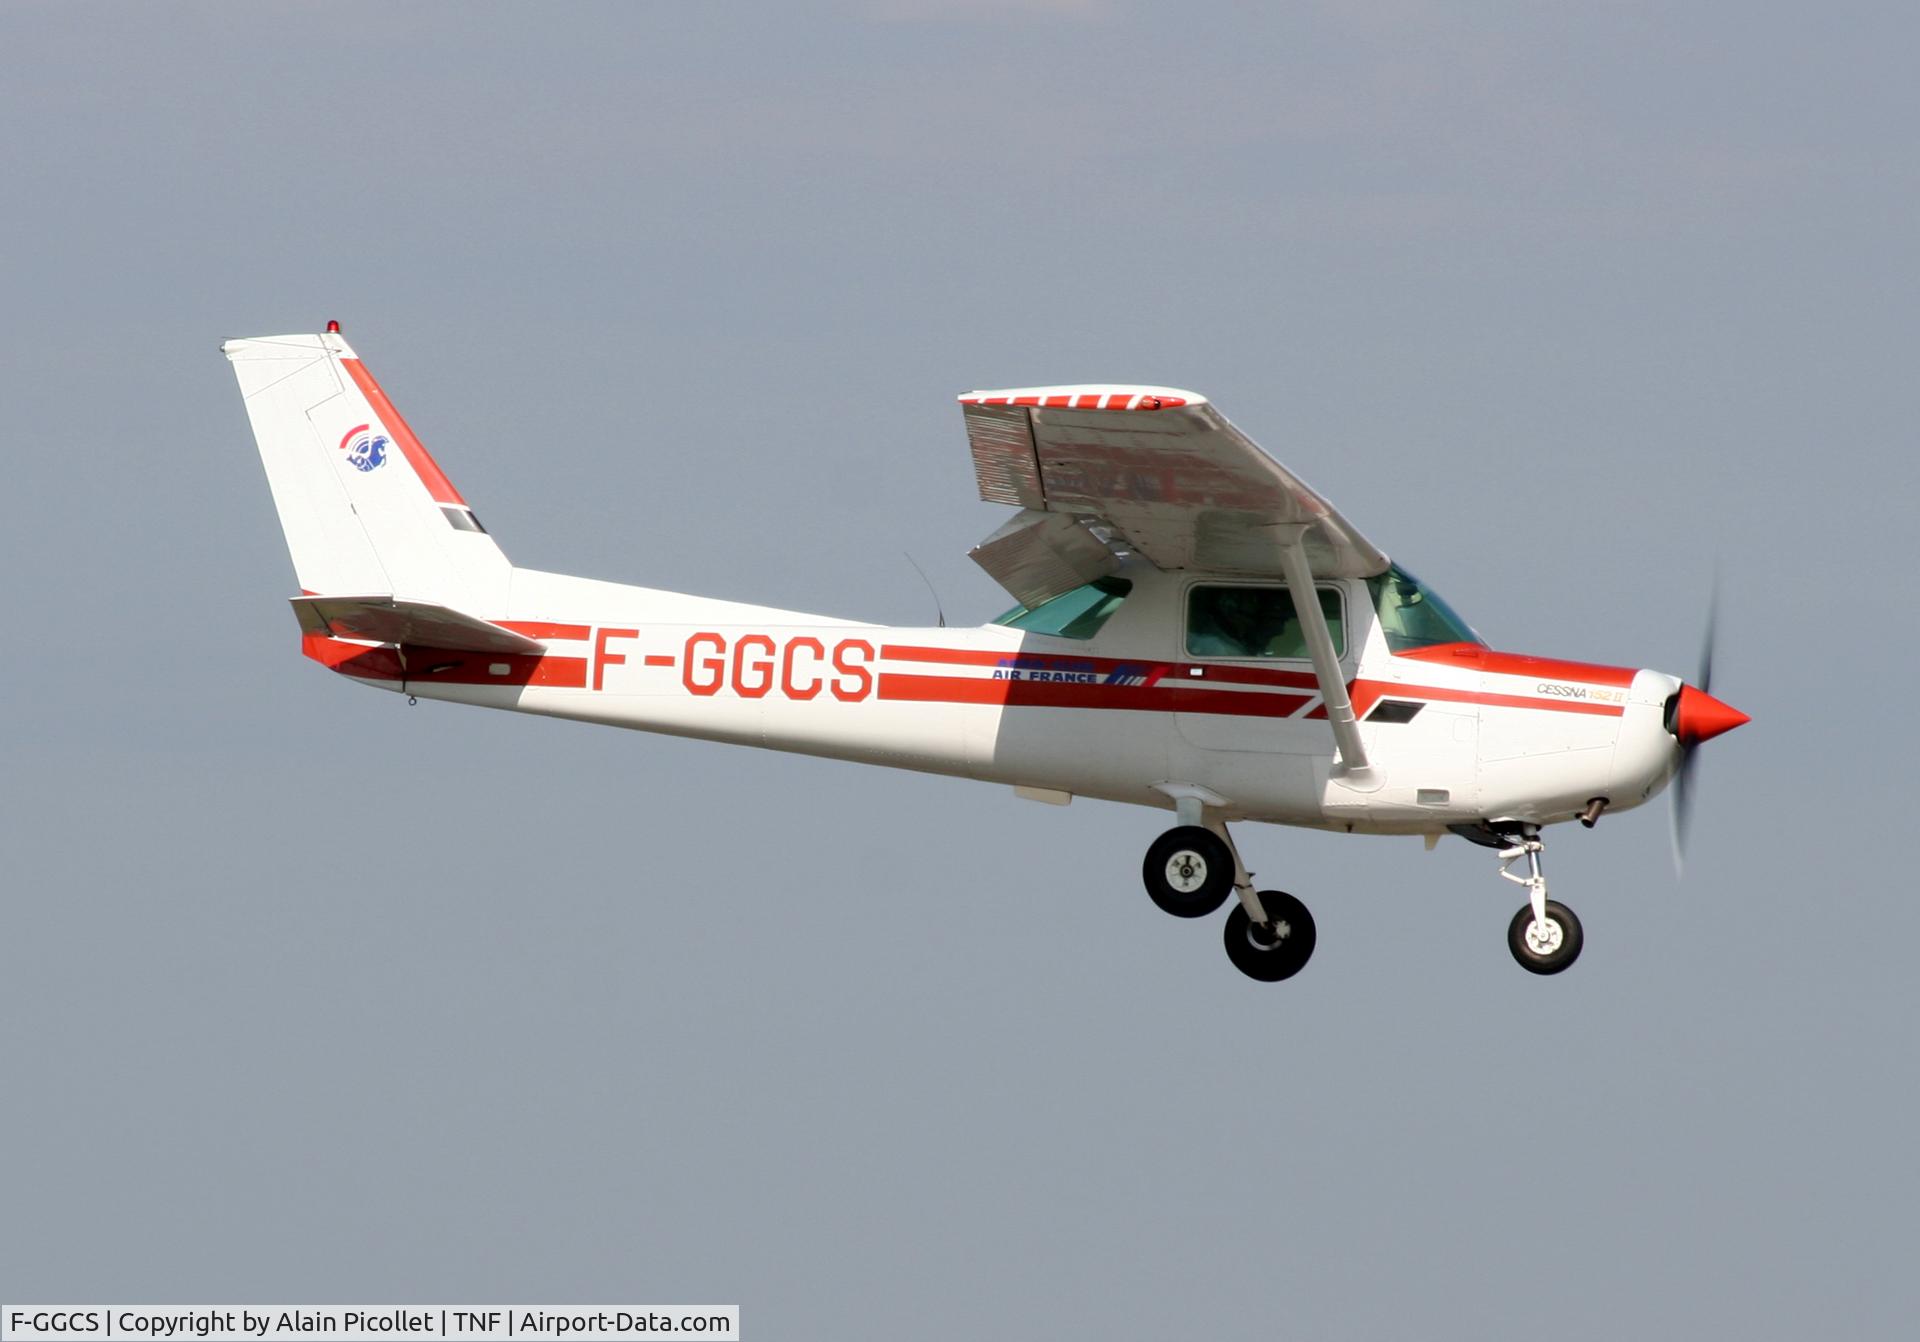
(1698, 716)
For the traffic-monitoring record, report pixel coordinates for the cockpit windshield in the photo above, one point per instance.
(1413, 616)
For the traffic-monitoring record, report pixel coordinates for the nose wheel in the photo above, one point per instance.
(1544, 936)
(1548, 944)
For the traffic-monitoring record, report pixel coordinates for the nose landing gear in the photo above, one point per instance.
(1544, 936)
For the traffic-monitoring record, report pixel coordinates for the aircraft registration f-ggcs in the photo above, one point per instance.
(1197, 630)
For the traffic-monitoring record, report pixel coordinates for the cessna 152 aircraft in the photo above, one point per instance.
(1197, 630)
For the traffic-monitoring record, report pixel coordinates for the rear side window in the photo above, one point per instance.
(1224, 621)
(1075, 614)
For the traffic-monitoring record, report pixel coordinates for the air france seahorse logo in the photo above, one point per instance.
(366, 451)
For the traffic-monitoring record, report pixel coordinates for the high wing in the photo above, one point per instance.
(1159, 467)
(1162, 470)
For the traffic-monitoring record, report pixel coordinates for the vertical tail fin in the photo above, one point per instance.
(365, 509)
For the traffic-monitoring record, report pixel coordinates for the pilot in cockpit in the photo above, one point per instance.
(1240, 622)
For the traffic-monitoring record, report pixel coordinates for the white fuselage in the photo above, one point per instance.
(1454, 734)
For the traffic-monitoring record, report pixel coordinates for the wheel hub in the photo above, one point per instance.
(1544, 936)
(1186, 871)
(1269, 936)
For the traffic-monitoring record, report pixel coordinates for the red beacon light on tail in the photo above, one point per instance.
(333, 328)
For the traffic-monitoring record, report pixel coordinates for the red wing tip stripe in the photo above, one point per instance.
(1084, 401)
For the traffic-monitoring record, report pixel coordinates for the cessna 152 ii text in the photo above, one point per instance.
(1197, 630)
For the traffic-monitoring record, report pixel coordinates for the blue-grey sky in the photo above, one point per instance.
(311, 996)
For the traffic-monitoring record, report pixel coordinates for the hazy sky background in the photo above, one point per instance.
(310, 996)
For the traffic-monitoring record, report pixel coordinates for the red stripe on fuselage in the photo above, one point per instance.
(1165, 687)
(900, 686)
(1519, 664)
(1366, 693)
(1156, 672)
(1172, 686)
(423, 465)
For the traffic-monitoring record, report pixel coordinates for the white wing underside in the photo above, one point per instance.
(1161, 469)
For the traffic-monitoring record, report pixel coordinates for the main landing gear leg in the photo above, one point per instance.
(1193, 868)
(1242, 878)
(1544, 936)
(1269, 934)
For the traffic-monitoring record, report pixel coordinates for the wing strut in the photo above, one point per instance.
(1326, 662)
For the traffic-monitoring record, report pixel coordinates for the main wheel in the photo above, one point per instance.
(1545, 947)
(1274, 950)
(1189, 871)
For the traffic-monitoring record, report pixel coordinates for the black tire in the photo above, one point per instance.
(1194, 857)
(1571, 938)
(1279, 949)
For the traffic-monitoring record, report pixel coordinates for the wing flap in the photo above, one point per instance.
(385, 619)
(1038, 556)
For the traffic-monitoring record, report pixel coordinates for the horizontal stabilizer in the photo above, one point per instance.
(383, 619)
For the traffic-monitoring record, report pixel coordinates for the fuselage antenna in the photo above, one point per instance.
(937, 609)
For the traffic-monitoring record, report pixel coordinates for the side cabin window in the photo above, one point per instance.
(1238, 621)
(1075, 614)
(1413, 615)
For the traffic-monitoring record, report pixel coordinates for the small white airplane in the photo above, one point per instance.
(1197, 630)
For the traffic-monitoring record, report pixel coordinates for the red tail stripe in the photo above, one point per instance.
(431, 666)
(546, 629)
(352, 659)
(423, 465)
